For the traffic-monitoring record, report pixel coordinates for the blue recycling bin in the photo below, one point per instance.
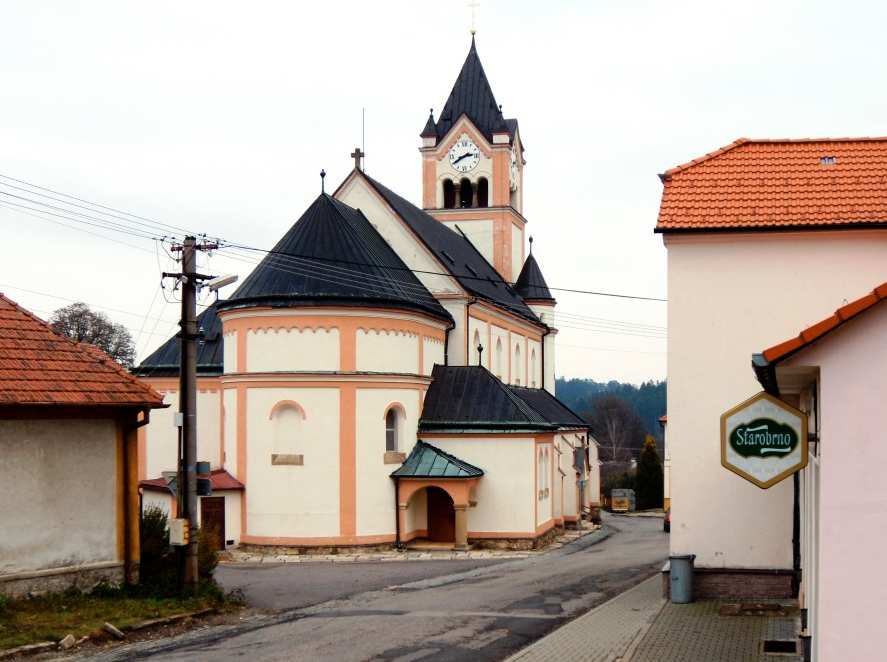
(681, 577)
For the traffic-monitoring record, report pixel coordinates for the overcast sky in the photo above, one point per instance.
(218, 116)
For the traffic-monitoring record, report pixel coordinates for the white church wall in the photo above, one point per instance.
(157, 499)
(480, 233)
(417, 515)
(276, 350)
(410, 249)
(517, 250)
(505, 495)
(478, 330)
(519, 359)
(294, 500)
(534, 363)
(232, 515)
(229, 399)
(432, 353)
(162, 437)
(375, 489)
(387, 351)
(209, 448)
(456, 347)
(229, 352)
(500, 360)
(544, 464)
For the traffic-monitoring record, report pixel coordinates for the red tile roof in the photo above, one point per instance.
(778, 184)
(40, 367)
(220, 480)
(816, 331)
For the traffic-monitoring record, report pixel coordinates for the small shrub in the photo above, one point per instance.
(207, 558)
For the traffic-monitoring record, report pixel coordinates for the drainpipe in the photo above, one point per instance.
(397, 543)
(127, 520)
(547, 331)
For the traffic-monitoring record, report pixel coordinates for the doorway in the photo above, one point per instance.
(441, 516)
(212, 519)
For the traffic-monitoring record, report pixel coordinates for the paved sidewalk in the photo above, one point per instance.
(701, 631)
(604, 633)
(236, 556)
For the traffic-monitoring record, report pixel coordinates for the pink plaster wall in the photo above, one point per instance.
(853, 487)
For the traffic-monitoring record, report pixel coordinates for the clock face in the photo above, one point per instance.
(513, 169)
(464, 155)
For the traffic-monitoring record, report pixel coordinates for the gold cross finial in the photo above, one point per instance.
(474, 4)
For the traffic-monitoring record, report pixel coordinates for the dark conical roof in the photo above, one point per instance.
(430, 130)
(531, 283)
(333, 255)
(473, 96)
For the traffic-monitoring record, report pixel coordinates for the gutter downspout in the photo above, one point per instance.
(127, 520)
(542, 344)
(397, 544)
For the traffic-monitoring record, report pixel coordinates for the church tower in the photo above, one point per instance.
(472, 169)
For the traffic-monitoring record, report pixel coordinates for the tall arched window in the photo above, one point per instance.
(474, 350)
(449, 194)
(391, 430)
(286, 423)
(516, 372)
(466, 193)
(499, 358)
(483, 192)
(531, 378)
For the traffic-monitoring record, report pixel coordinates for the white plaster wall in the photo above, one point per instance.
(517, 250)
(544, 464)
(456, 346)
(408, 247)
(548, 380)
(482, 329)
(229, 352)
(594, 473)
(534, 367)
(501, 363)
(729, 297)
(291, 350)
(387, 351)
(294, 501)
(375, 488)
(852, 491)
(417, 512)
(518, 359)
(232, 515)
(505, 495)
(156, 499)
(230, 401)
(58, 493)
(479, 232)
(432, 354)
(162, 437)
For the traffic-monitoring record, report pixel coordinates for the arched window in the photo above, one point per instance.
(516, 371)
(531, 378)
(478, 356)
(391, 429)
(483, 192)
(286, 423)
(449, 194)
(499, 358)
(466, 193)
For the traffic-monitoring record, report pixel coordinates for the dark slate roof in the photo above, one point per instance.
(549, 407)
(457, 254)
(427, 461)
(472, 96)
(334, 255)
(471, 398)
(164, 362)
(430, 130)
(531, 283)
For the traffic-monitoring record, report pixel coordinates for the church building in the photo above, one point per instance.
(386, 373)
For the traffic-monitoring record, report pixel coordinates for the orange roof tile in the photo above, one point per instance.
(816, 331)
(778, 184)
(220, 480)
(40, 367)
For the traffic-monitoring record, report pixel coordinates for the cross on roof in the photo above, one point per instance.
(357, 155)
(474, 4)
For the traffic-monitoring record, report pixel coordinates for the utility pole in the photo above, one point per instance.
(187, 469)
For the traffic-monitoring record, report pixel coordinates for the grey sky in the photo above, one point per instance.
(218, 117)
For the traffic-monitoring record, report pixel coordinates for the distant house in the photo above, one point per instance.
(68, 441)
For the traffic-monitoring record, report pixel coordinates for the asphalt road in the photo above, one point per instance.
(485, 613)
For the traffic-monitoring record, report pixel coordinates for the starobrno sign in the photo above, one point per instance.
(764, 440)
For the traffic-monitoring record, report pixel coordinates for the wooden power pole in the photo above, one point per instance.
(187, 469)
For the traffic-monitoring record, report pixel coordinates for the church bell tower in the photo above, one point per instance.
(472, 169)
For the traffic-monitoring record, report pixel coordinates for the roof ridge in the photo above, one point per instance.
(514, 398)
(706, 157)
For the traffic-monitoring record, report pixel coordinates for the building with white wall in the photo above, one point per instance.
(69, 417)
(318, 376)
(763, 236)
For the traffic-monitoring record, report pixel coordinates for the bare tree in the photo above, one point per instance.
(78, 322)
(617, 428)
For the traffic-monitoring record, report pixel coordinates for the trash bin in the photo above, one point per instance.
(681, 576)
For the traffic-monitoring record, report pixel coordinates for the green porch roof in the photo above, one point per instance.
(427, 461)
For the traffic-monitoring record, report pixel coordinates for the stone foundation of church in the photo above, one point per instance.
(313, 550)
(517, 544)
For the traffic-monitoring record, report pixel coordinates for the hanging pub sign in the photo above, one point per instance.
(764, 440)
